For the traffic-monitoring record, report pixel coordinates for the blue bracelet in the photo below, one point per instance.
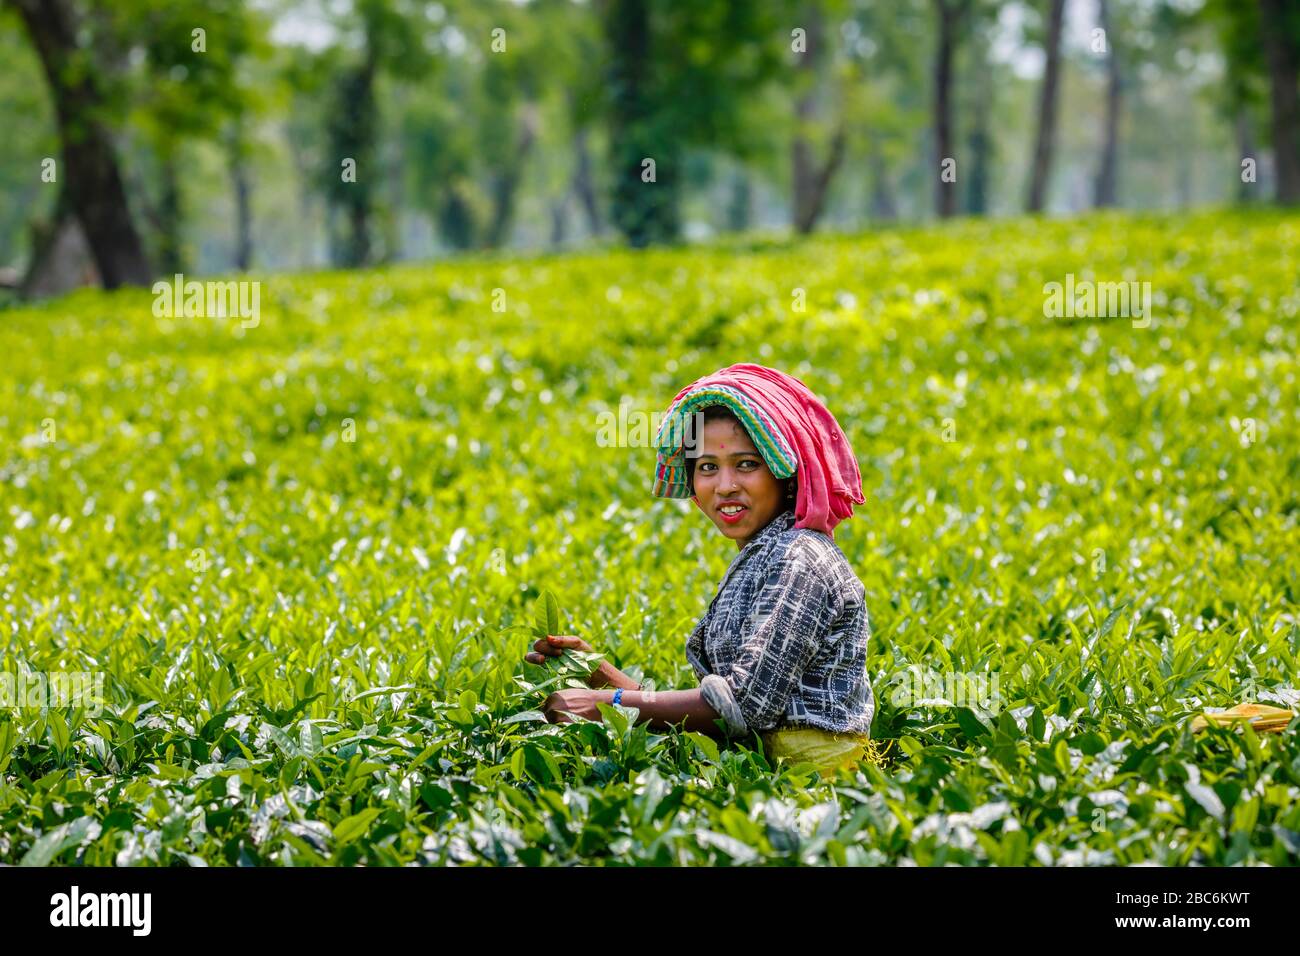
(618, 694)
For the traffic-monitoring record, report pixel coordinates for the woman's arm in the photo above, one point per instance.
(606, 675)
(660, 709)
(665, 708)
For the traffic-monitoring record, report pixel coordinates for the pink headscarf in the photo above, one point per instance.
(789, 426)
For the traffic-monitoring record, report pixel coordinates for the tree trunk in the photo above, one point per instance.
(1046, 139)
(1106, 188)
(981, 140)
(584, 184)
(307, 169)
(1246, 149)
(352, 135)
(1280, 51)
(89, 172)
(171, 215)
(392, 212)
(740, 205)
(61, 258)
(812, 182)
(1184, 178)
(645, 210)
(356, 251)
(949, 14)
(883, 204)
(243, 188)
(559, 221)
(456, 225)
(505, 186)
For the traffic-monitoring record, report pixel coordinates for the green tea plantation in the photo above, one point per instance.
(303, 557)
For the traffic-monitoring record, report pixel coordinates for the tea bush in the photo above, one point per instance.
(305, 556)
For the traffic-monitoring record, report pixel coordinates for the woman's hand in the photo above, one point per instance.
(553, 646)
(574, 701)
(605, 674)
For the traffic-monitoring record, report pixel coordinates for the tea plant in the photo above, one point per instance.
(306, 558)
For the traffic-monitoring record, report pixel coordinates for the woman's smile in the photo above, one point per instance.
(732, 512)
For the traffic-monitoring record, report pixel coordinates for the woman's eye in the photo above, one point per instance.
(706, 467)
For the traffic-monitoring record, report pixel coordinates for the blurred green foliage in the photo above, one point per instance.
(478, 124)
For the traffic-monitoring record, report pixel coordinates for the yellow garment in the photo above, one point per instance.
(1262, 717)
(827, 751)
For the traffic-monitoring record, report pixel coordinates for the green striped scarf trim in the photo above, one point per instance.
(672, 464)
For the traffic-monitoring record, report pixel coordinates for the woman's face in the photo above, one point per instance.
(730, 474)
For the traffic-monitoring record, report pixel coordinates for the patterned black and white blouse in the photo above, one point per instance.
(784, 642)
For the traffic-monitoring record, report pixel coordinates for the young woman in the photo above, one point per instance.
(781, 650)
